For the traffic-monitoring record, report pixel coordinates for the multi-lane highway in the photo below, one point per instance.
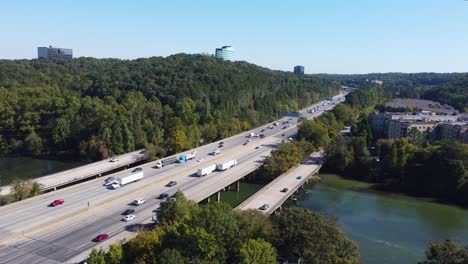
(32, 232)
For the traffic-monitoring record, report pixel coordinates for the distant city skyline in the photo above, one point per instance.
(328, 36)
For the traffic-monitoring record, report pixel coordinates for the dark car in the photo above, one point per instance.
(220, 146)
(284, 127)
(171, 183)
(264, 207)
(221, 143)
(57, 202)
(101, 237)
(128, 212)
(285, 190)
(283, 135)
(263, 130)
(137, 170)
(163, 196)
(262, 135)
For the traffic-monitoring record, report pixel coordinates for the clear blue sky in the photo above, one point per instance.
(331, 36)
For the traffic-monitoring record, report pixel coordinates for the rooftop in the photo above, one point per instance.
(422, 105)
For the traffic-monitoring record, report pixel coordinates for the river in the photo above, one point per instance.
(387, 228)
(29, 168)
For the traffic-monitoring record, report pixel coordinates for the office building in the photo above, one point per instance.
(225, 53)
(299, 70)
(53, 53)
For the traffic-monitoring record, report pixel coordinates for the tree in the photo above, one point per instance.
(305, 234)
(21, 189)
(219, 220)
(114, 256)
(314, 132)
(257, 252)
(96, 257)
(446, 252)
(415, 136)
(254, 224)
(35, 189)
(33, 144)
(172, 256)
(178, 209)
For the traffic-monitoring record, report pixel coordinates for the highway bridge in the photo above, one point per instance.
(282, 188)
(96, 169)
(32, 232)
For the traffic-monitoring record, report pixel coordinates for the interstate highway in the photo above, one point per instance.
(36, 232)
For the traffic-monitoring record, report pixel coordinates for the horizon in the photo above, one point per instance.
(327, 37)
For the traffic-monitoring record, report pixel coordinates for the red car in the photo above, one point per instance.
(101, 237)
(56, 202)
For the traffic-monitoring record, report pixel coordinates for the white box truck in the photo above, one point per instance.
(129, 178)
(206, 171)
(226, 165)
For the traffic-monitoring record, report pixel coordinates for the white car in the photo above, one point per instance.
(139, 201)
(114, 159)
(128, 218)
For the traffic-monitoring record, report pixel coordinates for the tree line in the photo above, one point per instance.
(92, 109)
(214, 233)
(446, 88)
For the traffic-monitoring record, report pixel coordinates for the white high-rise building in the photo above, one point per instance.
(225, 53)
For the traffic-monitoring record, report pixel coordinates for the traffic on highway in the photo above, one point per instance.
(65, 225)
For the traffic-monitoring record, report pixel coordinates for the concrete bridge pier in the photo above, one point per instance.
(218, 198)
(238, 186)
(208, 200)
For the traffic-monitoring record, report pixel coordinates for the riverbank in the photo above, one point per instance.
(389, 228)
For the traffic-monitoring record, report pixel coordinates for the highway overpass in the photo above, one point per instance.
(59, 179)
(32, 232)
(274, 193)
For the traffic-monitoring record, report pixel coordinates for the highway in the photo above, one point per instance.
(32, 232)
(274, 194)
(82, 172)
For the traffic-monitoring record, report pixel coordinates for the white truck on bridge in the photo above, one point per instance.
(226, 165)
(206, 171)
(121, 181)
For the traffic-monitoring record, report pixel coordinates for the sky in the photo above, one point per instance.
(326, 36)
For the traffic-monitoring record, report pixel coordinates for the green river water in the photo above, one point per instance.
(29, 168)
(387, 228)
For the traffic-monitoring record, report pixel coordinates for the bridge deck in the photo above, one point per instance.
(82, 172)
(272, 193)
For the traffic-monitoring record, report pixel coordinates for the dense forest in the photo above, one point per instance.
(214, 233)
(94, 108)
(446, 88)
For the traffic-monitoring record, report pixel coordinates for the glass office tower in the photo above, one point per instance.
(52, 52)
(225, 53)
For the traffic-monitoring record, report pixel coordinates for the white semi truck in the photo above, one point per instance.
(121, 181)
(226, 165)
(206, 171)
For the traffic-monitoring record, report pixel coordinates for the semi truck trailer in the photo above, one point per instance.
(206, 171)
(226, 165)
